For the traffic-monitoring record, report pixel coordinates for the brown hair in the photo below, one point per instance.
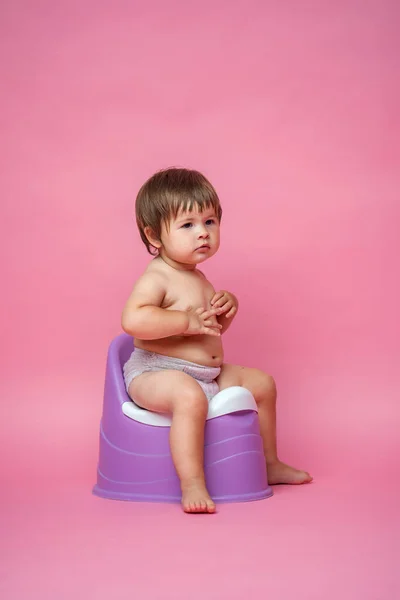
(166, 193)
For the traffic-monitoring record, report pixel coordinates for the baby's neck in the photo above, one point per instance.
(176, 265)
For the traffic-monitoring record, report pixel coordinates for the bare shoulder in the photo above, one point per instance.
(207, 283)
(149, 289)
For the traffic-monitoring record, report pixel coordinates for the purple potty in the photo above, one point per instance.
(135, 461)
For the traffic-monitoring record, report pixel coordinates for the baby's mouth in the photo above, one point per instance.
(203, 247)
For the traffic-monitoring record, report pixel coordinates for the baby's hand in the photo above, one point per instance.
(225, 303)
(201, 323)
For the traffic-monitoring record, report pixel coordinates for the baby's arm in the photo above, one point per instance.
(143, 316)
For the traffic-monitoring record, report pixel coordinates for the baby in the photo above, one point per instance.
(177, 319)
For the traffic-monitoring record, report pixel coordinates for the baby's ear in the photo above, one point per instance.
(152, 238)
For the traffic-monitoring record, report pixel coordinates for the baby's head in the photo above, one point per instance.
(176, 210)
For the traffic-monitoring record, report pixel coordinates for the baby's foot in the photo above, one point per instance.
(196, 499)
(278, 472)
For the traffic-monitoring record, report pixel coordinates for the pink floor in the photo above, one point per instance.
(335, 538)
(332, 539)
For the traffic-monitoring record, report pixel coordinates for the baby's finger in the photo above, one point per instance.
(216, 297)
(221, 301)
(231, 312)
(225, 307)
(209, 313)
(210, 331)
(210, 323)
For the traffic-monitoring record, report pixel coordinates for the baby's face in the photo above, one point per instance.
(192, 237)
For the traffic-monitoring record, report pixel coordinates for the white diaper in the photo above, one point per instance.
(142, 361)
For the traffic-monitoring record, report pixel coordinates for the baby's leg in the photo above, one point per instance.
(178, 393)
(263, 388)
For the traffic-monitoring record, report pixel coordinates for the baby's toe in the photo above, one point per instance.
(303, 477)
(210, 506)
(189, 507)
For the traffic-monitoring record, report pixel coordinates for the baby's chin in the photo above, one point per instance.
(200, 257)
(192, 260)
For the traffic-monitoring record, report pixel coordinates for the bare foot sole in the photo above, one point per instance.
(278, 472)
(196, 499)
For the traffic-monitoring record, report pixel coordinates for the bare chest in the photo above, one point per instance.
(187, 291)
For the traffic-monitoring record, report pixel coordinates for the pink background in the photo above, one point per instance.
(291, 110)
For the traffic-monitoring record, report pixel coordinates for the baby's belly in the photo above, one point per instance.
(201, 349)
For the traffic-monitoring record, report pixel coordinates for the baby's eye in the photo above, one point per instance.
(186, 226)
(210, 221)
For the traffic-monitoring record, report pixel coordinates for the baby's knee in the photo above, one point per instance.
(267, 382)
(190, 398)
